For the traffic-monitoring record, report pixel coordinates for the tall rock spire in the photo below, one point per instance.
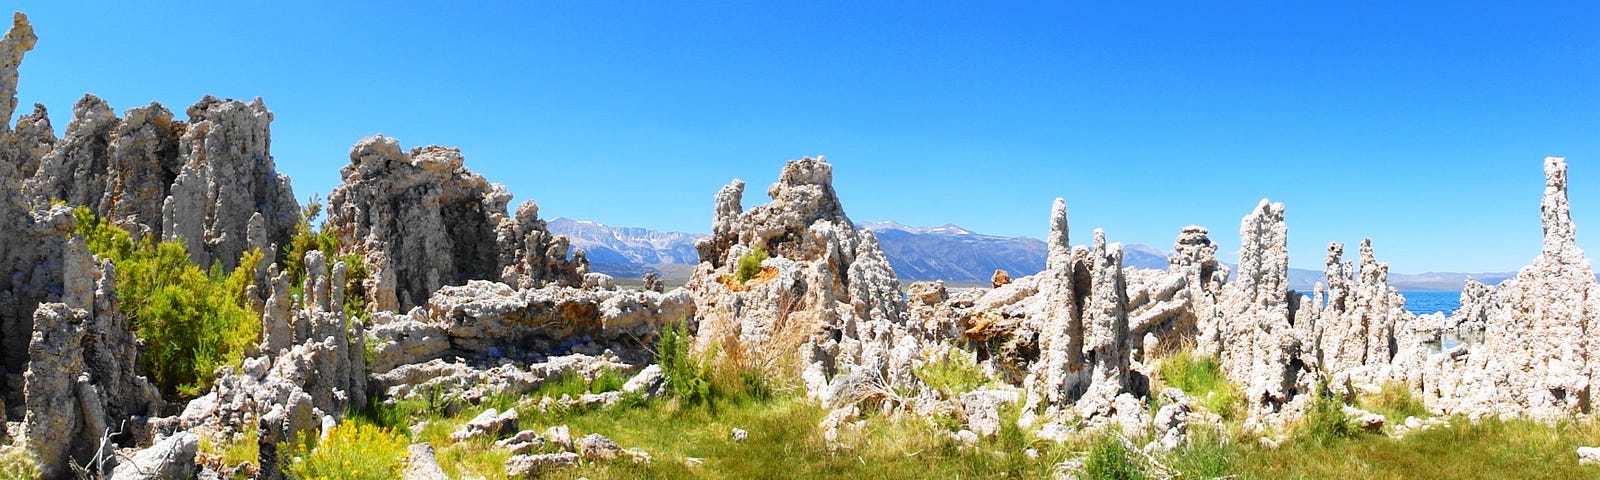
(17, 42)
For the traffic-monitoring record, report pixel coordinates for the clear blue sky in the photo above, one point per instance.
(1422, 126)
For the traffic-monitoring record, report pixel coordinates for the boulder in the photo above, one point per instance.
(520, 466)
(421, 464)
(170, 458)
(597, 447)
(491, 423)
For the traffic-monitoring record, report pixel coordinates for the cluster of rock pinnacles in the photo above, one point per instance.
(466, 295)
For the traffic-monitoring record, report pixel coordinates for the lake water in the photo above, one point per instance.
(1423, 303)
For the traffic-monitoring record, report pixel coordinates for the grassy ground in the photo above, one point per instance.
(694, 441)
(1491, 449)
(783, 442)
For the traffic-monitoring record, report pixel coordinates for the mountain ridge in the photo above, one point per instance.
(919, 253)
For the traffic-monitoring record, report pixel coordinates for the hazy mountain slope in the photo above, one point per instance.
(627, 251)
(945, 252)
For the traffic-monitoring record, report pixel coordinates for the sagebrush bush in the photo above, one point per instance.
(191, 321)
(750, 264)
(351, 451)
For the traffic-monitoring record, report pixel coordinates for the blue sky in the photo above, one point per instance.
(1422, 126)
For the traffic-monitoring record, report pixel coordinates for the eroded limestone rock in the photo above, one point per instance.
(1264, 341)
(435, 223)
(1537, 328)
(826, 300)
(228, 177)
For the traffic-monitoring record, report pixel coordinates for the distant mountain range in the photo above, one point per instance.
(945, 252)
(627, 251)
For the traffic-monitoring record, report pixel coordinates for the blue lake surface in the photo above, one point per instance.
(1423, 303)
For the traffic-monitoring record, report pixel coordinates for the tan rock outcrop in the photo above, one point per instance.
(17, 42)
(81, 379)
(489, 320)
(826, 300)
(424, 221)
(1263, 338)
(228, 179)
(1537, 330)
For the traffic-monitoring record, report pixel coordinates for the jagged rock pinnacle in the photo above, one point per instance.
(18, 41)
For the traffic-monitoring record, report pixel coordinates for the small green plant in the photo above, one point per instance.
(685, 374)
(18, 463)
(239, 449)
(953, 373)
(1325, 422)
(750, 264)
(352, 450)
(191, 321)
(1109, 459)
(1201, 377)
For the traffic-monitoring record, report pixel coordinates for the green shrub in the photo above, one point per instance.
(955, 372)
(1201, 377)
(750, 264)
(352, 451)
(1325, 423)
(1109, 459)
(191, 321)
(18, 463)
(685, 374)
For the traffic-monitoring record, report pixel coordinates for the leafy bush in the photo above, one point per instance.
(750, 264)
(1201, 377)
(955, 372)
(352, 450)
(1109, 459)
(191, 321)
(688, 378)
(18, 463)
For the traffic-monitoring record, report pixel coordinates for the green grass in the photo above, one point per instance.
(1490, 449)
(1110, 459)
(17, 463)
(784, 442)
(1201, 377)
(1207, 454)
(1395, 402)
(1325, 422)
